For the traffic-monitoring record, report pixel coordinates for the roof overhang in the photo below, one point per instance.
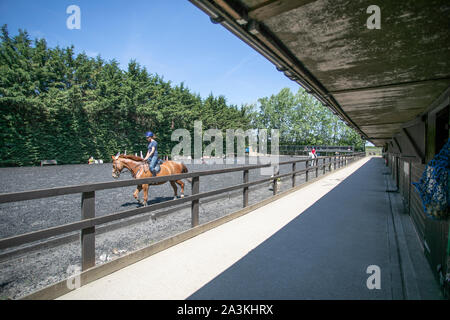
(375, 80)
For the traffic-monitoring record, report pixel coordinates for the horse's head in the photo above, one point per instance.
(117, 166)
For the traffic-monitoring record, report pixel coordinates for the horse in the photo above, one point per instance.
(138, 168)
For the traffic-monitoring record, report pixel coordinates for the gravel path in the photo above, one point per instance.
(23, 273)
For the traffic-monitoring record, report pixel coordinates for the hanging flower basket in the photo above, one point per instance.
(433, 186)
(436, 214)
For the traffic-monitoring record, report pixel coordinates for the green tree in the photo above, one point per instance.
(58, 105)
(302, 120)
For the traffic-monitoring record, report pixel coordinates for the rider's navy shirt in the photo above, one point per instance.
(151, 145)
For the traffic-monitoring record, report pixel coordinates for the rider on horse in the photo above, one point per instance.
(152, 153)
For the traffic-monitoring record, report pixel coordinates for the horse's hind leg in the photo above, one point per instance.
(136, 193)
(181, 183)
(175, 189)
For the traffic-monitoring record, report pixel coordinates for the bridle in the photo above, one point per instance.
(118, 172)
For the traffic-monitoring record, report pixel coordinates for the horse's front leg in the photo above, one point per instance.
(145, 188)
(136, 193)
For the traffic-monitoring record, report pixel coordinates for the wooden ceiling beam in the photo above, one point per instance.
(275, 7)
(228, 9)
(389, 85)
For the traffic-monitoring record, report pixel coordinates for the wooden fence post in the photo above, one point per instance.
(316, 164)
(275, 185)
(195, 205)
(306, 172)
(293, 174)
(88, 234)
(245, 192)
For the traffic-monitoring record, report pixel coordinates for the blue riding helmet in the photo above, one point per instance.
(149, 134)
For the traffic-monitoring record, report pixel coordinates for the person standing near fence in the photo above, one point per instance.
(314, 155)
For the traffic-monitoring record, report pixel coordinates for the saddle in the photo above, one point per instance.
(157, 167)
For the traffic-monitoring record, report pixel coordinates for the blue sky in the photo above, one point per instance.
(172, 38)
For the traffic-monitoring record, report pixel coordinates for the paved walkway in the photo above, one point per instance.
(315, 243)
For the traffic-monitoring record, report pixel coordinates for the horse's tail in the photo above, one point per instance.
(184, 169)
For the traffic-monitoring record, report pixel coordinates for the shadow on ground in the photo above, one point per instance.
(321, 254)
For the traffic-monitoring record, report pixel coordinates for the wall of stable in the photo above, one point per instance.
(407, 155)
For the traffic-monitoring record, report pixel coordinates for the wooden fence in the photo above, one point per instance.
(89, 221)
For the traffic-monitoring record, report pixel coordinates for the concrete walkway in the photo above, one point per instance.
(315, 243)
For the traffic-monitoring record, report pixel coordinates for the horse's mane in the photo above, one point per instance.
(131, 157)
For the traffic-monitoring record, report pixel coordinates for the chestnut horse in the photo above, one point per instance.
(139, 169)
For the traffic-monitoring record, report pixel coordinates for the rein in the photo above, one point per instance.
(131, 170)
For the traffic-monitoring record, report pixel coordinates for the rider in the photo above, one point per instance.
(152, 153)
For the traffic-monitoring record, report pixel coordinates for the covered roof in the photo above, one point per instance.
(376, 80)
